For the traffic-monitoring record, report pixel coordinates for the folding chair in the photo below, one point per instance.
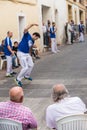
(2, 61)
(8, 124)
(72, 122)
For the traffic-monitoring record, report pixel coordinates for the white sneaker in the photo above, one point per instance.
(58, 51)
(9, 75)
(54, 52)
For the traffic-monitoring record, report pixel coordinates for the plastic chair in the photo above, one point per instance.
(2, 62)
(73, 122)
(8, 124)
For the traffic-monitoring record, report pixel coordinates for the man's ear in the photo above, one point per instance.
(21, 99)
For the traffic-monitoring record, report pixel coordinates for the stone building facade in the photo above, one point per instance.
(16, 14)
(76, 10)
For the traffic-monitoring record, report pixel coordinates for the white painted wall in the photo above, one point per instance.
(9, 12)
(48, 14)
(61, 7)
(58, 8)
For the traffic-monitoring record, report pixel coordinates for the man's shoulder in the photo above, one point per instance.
(51, 107)
(27, 33)
(7, 38)
(75, 98)
(3, 103)
(26, 108)
(58, 104)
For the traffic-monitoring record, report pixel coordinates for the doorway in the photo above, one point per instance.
(69, 12)
(56, 21)
(46, 13)
(81, 15)
(21, 20)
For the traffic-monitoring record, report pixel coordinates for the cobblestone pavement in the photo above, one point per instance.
(68, 67)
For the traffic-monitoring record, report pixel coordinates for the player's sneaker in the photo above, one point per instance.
(13, 73)
(9, 75)
(19, 83)
(28, 78)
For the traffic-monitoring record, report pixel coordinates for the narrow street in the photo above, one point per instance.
(68, 67)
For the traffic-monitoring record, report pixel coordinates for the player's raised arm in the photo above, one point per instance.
(28, 27)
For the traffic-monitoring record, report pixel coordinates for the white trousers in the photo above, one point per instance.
(26, 63)
(54, 45)
(81, 38)
(9, 64)
(69, 37)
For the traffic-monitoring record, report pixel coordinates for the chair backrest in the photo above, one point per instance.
(8, 124)
(73, 122)
(2, 61)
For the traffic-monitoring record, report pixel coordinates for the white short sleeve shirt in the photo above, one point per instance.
(67, 106)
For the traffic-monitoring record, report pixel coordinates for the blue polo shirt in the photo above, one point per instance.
(52, 35)
(8, 42)
(26, 43)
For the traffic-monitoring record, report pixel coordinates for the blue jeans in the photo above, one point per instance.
(13, 61)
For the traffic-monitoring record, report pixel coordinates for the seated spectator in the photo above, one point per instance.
(34, 52)
(15, 61)
(2, 50)
(14, 109)
(63, 105)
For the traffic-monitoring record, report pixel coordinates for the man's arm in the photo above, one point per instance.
(28, 27)
(9, 48)
(34, 46)
(55, 29)
(1, 52)
(32, 121)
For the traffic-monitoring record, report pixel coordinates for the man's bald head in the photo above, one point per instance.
(9, 34)
(59, 92)
(16, 94)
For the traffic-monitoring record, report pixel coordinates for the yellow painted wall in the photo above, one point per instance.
(25, 1)
(9, 17)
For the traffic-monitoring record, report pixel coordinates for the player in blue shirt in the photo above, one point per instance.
(25, 58)
(53, 30)
(9, 53)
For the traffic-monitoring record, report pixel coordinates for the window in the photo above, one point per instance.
(81, 2)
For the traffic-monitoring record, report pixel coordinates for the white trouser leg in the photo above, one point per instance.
(81, 38)
(54, 46)
(9, 64)
(69, 38)
(56, 49)
(30, 66)
(25, 64)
